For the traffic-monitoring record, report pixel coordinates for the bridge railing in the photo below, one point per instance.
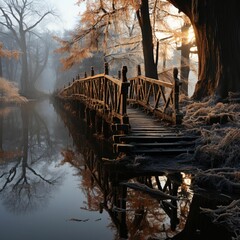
(103, 93)
(158, 97)
(109, 96)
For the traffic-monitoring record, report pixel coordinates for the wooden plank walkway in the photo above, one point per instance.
(151, 136)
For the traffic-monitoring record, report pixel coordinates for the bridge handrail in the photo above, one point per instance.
(110, 96)
(159, 97)
(152, 80)
(102, 93)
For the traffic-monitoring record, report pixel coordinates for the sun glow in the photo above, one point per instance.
(191, 35)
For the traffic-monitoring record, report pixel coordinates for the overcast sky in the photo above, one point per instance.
(68, 12)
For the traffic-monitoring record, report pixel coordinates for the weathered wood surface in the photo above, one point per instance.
(102, 93)
(157, 96)
(156, 193)
(150, 136)
(110, 102)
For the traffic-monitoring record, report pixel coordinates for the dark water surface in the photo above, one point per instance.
(39, 196)
(53, 186)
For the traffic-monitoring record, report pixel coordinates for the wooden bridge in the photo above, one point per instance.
(130, 111)
(113, 184)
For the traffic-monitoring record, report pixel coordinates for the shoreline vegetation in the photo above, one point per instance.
(218, 152)
(218, 125)
(9, 93)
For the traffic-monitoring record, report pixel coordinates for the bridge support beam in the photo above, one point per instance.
(98, 124)
(81, 110)
(92, 115)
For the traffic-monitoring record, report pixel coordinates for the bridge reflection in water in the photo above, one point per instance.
(142, 204)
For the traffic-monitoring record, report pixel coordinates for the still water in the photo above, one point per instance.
(53, 185)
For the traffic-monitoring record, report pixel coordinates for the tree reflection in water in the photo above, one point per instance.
(135, 214)
(26, 178)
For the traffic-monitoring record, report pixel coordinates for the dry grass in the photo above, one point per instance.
(227, 216)
(220, 140)
(9, 93)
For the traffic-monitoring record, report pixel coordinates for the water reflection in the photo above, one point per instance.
(141, 205)
(26, 154)
(63, 184)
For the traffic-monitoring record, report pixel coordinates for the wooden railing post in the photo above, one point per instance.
(124, 74)
(124, 91)
(92, 71)
(119, 75)
(85, 75)
(106, 72)
(177, 114)
(106, 68)
(139, 70)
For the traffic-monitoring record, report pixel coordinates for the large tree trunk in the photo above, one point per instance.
(147, 40)
(217, 29)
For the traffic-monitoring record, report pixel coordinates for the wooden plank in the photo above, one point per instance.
(116, 138)
(162, 151)
(153, 128)
(165, 145)
(152, 80)
(153, 192)
(156, 130)
(114, 80)
(149, 139)
(122, 147)
(154, 133)
(119, 127)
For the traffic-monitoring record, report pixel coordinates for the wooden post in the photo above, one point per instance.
(85, 75)
(73, 80)
(176, 89)
(124, 91)
(105, 129)
(106, 72)
(98, 124)
(87, 116)
(92, 115)
(124, 74)
(178, 115)
(139, 70)
(81, 110)
(106, 68)
(92, 71)
(119, 75)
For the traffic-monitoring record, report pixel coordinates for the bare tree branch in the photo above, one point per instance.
(36, 23)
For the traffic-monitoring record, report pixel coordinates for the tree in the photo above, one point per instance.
(143, 15)
(185, 59)
(21, 18)
(8, 54)
(99, 19)
(217, 30)
(39, 48)
(26, 180)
